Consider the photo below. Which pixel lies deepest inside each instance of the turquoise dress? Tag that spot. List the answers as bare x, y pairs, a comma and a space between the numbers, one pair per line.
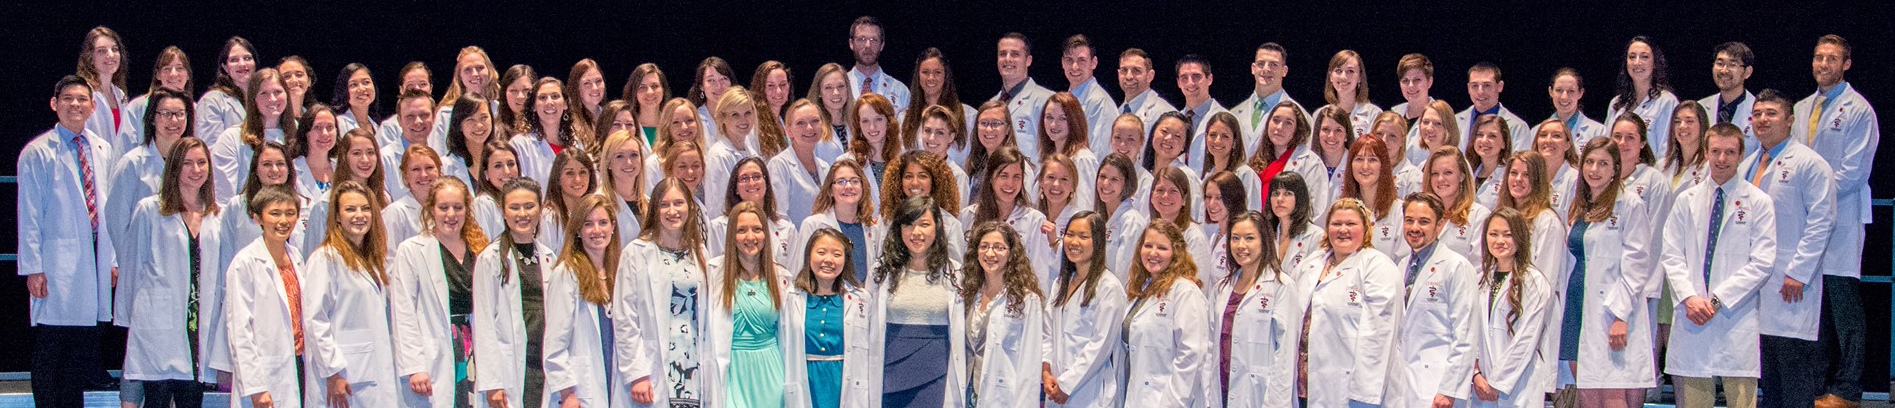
822, 343
756, 361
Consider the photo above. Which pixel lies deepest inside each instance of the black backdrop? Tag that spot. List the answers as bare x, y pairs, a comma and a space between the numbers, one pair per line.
1528, 41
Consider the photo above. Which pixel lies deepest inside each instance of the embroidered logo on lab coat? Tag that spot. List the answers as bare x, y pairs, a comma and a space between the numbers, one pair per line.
1263, 301
1434, 289
1612, 223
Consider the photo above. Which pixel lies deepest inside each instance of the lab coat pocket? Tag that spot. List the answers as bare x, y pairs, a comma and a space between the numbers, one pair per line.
358, 356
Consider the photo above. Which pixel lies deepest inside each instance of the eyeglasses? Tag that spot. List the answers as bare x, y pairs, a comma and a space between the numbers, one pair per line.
849, 181
173, 115
992, 124
867, 40
750, 177
1728, 64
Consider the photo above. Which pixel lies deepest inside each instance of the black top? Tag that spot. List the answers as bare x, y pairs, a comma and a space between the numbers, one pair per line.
532, 302
460, 282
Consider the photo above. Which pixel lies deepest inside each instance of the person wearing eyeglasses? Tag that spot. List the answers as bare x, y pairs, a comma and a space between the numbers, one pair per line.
866, 40
1731, 66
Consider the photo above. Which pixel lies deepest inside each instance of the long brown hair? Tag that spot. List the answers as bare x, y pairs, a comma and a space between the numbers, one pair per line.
168, 55
1384, 181
918, 103
91, 73
171, 192
734, 268
471, 233
1018, 280
826, 199
768, 201
1541, 198
376, 177
693, 232
454, 91
1674, 156
556, 193
366, 256
1266, 258
986, 200
1266, 149
575, 103
254, 181
1177, 178
1584, 206
1522, 259
1147, 284
595, 284
892, 141
253, 126
1464, 198
1076, 135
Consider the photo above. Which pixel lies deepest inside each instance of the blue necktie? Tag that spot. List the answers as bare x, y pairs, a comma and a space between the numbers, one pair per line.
1717, 223
1414, 269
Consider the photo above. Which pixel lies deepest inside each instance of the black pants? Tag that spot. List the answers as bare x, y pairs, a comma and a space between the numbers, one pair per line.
63, 356
1789, 380
1843, 333
162, 394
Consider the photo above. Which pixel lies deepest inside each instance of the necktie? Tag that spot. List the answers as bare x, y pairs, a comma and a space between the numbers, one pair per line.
1815, 117
1191, 117
1256, 112
85, 175
1006, 96
1125, 109
867, 85
1717, 223
1414, 269
1763, 166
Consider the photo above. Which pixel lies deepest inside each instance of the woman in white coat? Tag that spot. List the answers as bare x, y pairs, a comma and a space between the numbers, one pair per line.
826, 316
751, 184
1463, 220
1167, 353
420, 169
1005, 320
1645, 89
1518, 300
578, 328
221, 107
1224, 151
361, 162
268, 167
923, 173
1064, 132
430, 298
137, 173
1606, 331
1173, 195
1058, 199
266, 119
915, 315
572, 181
797, 169
263, 313
659, 302
843, 204
1125, 221
621, 178
745, 324
938, 133
1259, 323
176, 337
1282, 150
878, 143
1371, 180
736, 136
1082, 360
1292, 220
509, 308
1002, 196
102, 65
1351, 296
345, 313
1525, 188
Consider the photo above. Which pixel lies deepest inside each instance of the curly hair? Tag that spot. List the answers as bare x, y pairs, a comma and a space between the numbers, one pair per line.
1017, 277
1146, 283
895, 254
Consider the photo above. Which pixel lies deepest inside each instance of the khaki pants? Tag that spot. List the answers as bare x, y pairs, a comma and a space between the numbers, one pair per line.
1701, 392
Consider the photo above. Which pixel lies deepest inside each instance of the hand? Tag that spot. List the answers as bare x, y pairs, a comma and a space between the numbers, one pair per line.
497, 399
1699, 309
114, 276
1052, 232
420, 384
338, 391
36, 285
571, 400
1792, 290
641, 391
1048, 383
1617, 334
262, 400
1443, 401
1484, 390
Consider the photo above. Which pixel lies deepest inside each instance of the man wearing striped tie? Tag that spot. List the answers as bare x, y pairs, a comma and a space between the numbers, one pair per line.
1841, 126
66, 258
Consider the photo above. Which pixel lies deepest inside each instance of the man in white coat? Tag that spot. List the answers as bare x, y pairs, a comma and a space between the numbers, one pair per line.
1803, 188
866, 40
1194, 81
1841, 126
1434, 360
1077, 61
1730, 68
1484, 85
1715, 276
1267, 68
65, 254
1025, 98
1135, 75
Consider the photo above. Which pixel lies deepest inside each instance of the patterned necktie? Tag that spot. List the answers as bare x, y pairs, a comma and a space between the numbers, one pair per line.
1717, 223
85, 175
1815, 117
1414, 269
867, 84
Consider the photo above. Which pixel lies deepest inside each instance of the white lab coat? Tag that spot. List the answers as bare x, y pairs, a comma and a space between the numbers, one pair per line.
231, 157
1026, 222
1302, 248
1264, 333
718, 329
956, 387
257, 317
1168, 352
1619, 262
1122, 231
1352, 326
1194, 154
134, 134
418, 315
156, 285
719, 159
450, 166
1487, 193
797, 243
1509, 347
1315, 175
217, 111
500, 341
1728, 344
1253, 131
1656, 111
492, 220
536, 158
796, 190
856, 372
1082, 343
1846, 136
1100, 110
783, 240
134, 177
642, 306
1438, 332
345, 331
1024, 110
1582, 130
102, 122
1516, 127
1465, 238
1565, 181
575, 351
401, 220
55, 232
871, 183
306, 184
1741, 118
1803, 190
1012, 354
1550, 256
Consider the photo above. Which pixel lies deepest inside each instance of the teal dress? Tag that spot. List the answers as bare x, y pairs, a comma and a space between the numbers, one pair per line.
823, 341
756, 361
